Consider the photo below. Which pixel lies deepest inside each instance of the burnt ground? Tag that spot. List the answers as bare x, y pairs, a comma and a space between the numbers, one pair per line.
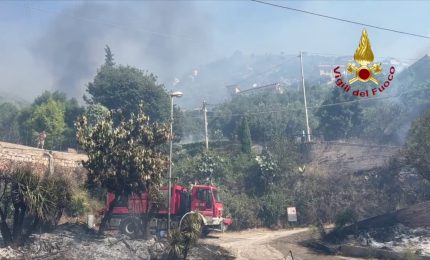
295, 246
74, 241
398, 238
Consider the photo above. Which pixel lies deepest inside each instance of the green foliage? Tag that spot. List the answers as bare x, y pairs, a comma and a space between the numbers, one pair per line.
268, 168
242, 208
79, 204
109, 61
123, 88
95, 113
382, 123
273, 206
263, 126
49, 117
32, 199
340, 121
52, 112
8, 122
204, 167
182, 239
209, 166
418, 146
245, 136
348, 216
123, 159
126, 158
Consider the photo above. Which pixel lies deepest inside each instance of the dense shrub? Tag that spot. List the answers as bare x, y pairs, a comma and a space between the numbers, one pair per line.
243, 209
348, 216
29, 201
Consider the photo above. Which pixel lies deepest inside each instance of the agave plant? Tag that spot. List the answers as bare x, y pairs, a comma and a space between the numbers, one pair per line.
30, 197
182, 239
176, 245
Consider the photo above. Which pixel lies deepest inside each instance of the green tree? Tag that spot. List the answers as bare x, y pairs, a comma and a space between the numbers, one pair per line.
70, 110
245, 136
418, 146
96, 112
341, 120
267, 114
210, 166
123, 159
8, 122
268, 168
383, 122
109, 61
273, 205
49, 117
123, 88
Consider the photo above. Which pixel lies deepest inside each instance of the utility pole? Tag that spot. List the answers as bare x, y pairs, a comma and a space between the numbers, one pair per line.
176, 94
206, 125
304, 98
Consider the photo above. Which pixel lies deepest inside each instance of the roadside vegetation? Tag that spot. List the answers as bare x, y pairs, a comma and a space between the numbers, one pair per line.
30, 202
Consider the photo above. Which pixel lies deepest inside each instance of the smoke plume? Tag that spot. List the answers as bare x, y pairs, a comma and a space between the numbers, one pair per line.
164, 38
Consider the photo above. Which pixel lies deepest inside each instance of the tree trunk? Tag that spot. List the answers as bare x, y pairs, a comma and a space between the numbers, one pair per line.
145, 221
5, 233
29, 231
108, 215
18, 220
4, 228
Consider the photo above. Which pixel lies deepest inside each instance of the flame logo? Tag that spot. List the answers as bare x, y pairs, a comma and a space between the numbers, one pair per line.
364, 54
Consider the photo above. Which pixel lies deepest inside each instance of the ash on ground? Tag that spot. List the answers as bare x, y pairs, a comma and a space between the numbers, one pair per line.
398, 238
73, 241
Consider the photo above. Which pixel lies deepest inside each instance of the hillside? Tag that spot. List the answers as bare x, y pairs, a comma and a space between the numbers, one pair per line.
209, 81
338, 158
14, 99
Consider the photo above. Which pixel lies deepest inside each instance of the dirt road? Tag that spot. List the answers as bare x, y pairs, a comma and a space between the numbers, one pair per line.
267, 244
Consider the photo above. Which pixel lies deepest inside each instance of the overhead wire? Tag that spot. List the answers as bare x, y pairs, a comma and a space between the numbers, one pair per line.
121, 27
311, 107
341, 19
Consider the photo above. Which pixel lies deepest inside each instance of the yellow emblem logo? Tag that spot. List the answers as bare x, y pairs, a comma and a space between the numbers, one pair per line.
364, 71
364, 56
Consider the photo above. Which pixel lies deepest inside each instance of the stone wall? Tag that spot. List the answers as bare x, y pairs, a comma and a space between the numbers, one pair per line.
43, 160
325, 158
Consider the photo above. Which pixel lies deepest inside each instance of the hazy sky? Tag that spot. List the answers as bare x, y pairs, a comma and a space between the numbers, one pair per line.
59, 45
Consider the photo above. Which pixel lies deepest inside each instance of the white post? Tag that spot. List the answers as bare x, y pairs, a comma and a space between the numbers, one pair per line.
170, 164
172, 95
206, 125
304, 98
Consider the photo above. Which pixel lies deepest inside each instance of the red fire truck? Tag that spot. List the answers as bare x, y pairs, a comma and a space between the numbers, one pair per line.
127, 215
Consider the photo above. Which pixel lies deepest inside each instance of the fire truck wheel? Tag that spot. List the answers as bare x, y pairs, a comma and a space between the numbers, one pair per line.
130, 227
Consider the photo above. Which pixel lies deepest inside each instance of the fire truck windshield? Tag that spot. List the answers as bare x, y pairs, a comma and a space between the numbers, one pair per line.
216, 195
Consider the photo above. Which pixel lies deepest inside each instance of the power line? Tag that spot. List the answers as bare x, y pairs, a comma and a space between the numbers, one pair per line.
341, 19
312, 107
117, 26
349, 55
169, 35
291, 57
